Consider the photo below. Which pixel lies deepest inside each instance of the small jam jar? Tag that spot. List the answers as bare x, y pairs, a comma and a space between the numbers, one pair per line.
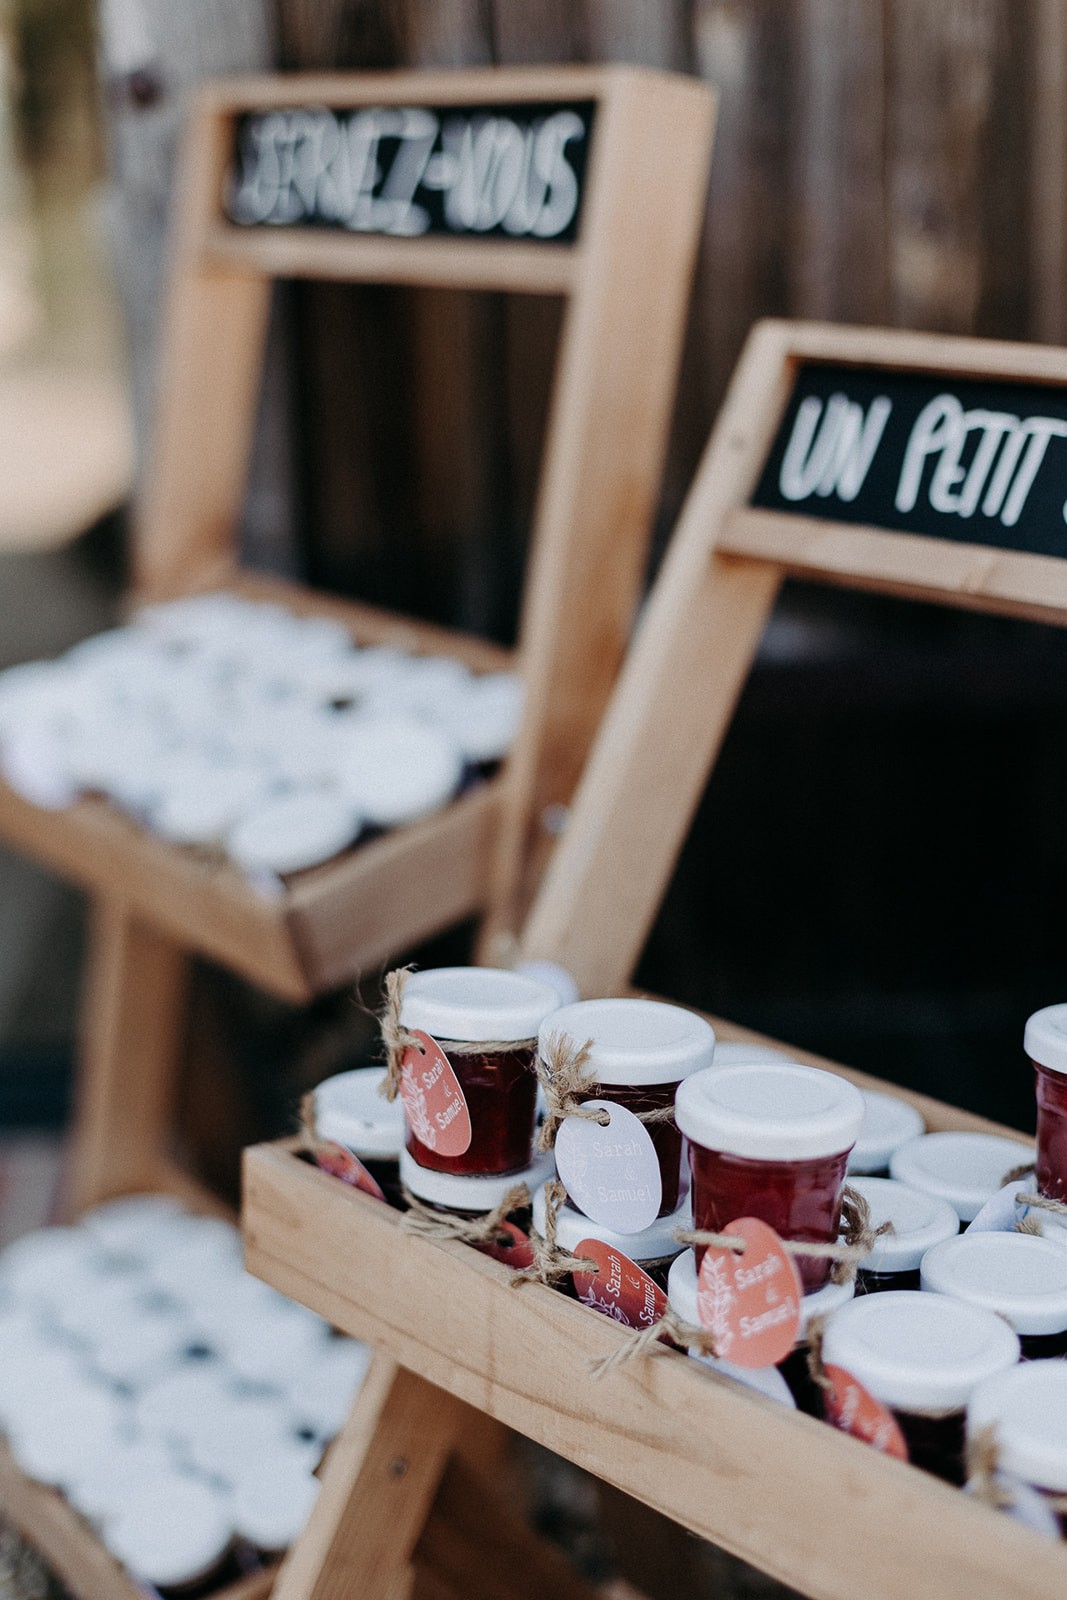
888, 1122
350, 1111
790, 1381
640, 1051
653, 1250
1045, 1042
966, 1169
919, 1221
770, 1140
1020, 1277
469, 1005
922, 1356
472, 1197
1027, 1411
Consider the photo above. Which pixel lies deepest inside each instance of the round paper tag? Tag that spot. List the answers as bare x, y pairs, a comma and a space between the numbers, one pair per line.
750, 1302
433, 1100
853, 1409
612, 1172
618, 1288
1001, 1212
341, 1163
517, 1254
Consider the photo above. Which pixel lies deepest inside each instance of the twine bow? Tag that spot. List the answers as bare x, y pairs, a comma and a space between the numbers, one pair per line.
427, 1223
550, 1261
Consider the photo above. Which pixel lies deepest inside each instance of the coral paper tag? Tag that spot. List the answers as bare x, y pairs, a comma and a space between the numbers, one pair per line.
750, 1302
518, 1253
341, 1163
853, 1409
618, 1288
612, 1172
433, 1100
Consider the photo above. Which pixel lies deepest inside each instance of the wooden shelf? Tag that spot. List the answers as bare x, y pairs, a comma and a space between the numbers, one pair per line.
799, 1500
332, 921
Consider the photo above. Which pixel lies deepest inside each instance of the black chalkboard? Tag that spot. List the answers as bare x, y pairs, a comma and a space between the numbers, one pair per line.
955, 458
502, 172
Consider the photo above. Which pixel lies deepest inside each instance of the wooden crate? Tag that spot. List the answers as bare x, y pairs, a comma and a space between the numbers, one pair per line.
818, 1510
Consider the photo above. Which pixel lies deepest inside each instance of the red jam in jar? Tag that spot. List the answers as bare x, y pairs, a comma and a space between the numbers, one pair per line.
640, 1051
460, 1008
1026, 1410
770, 1140
918, 1221
921, 1356
1045, 1042
1019, 1276
474, 1198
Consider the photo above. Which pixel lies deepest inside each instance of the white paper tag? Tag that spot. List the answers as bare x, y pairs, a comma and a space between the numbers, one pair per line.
611, 1173
1000, 1214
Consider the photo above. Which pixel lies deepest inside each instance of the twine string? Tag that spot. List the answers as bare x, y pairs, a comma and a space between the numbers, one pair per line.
426, 1223
846, 1253
550, 1261
647, 1341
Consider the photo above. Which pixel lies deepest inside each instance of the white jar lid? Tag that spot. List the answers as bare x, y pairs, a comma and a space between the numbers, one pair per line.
682, 1294
350, 1110
918, 1352
919, 1221
634, 1041
966, 1169
484, 719
124, 1224
1019, 1276
171, 1531
1045, 1037
652, 1244
472, 1003
557, 978
104, 1484
743, 1053
1027, 1408
68, 1426
271, 1504
321, 1396
204, 804
293, 833
477, 1195
770, 1111
395, 770
888, 1122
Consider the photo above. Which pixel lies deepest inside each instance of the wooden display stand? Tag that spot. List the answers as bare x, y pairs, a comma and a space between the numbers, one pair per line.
633, 147
822, 1512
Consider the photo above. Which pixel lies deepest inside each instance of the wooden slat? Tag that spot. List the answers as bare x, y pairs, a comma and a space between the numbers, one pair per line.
772, 1486
975, 577
459, 87
433, 262
904, 351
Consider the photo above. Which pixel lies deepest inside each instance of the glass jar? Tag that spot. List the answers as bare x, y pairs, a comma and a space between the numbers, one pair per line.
966, 1169
351, 1113
273, 1496
639, 1053
919, 1221
463, 1006
1045, 1042
175, 1534
473, 1198
653, 1250
888, 1122
1027, 1410
1019, 1276
921, 1356
790, 1375
770, 1140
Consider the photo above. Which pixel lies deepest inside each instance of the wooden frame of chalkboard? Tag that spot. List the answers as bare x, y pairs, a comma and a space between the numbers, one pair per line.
919, 465
596, 195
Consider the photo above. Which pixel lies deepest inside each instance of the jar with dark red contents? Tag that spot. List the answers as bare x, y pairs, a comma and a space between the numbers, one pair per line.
966, 1169
485, 1022
921, 1356
918, 1221
1019, 1276
652, 1250
770, 1140
790, 1381
1045, 1042
352, 1118
1024, 1413
639, 1053
472, 1198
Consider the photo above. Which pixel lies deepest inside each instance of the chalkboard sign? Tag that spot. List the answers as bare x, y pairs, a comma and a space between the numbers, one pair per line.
505, 171
963, 459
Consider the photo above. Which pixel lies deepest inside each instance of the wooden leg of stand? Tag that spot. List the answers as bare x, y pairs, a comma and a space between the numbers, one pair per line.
378, 1485
132, 1026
